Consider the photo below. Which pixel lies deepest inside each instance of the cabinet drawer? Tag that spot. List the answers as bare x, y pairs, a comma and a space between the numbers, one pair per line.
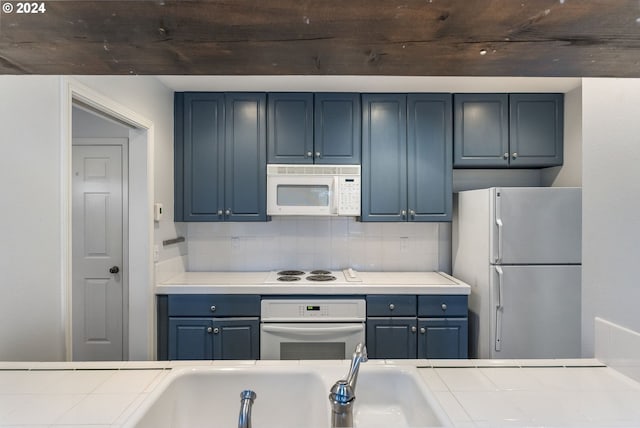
193, 305
442, 306
391, 306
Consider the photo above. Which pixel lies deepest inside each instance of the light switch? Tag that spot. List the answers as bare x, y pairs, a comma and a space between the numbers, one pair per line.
157, 211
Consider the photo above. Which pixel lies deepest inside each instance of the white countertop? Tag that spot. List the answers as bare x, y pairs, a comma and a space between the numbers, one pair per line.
474, 393
371, 283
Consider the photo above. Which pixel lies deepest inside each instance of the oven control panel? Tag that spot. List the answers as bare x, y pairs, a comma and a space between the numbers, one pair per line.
298, 310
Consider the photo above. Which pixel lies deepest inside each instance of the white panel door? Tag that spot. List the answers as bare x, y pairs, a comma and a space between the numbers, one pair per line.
97, 294
537, 225
535, 312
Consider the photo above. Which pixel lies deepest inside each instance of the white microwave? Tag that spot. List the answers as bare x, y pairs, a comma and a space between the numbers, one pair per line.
319, 190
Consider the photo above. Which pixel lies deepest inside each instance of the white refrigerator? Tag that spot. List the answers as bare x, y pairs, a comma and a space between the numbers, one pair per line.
519, 248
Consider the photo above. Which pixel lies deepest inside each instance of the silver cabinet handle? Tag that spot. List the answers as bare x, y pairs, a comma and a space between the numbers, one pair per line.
413, 329
219, 212
318, 154
213, 308
209, 329
505, 156
227, 211
391, 306
444, 306
423, 330
514, 155
412, 213
216, 330
309, 154
403, 213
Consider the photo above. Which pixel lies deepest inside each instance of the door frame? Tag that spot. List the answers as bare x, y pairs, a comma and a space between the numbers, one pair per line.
141, 325
124, 144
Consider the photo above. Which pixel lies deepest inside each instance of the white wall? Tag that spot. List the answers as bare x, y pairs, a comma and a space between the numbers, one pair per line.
92, 125
148, 97
570, 173
611, 206
31, 319
32, 303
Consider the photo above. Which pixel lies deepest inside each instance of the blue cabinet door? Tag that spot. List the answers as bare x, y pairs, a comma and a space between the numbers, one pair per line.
442, 338
190, 338
481, 130
203, 156
429, 157
245, 158
236, 339
391, 337
337, 128
536, 130
290, 128
384, 157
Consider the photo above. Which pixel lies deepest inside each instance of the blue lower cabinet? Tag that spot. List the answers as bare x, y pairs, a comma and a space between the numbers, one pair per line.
190, 339
236, 339
391, 337
210, 338
442, 338
409, 326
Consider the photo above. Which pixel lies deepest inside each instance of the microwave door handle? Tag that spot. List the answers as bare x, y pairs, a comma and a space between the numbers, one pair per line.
311, 331
335, 196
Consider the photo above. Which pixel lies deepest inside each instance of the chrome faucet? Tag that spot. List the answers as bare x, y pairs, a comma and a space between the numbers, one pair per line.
342, 394
246, 401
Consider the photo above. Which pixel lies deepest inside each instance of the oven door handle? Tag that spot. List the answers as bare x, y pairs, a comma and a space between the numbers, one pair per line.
314, 330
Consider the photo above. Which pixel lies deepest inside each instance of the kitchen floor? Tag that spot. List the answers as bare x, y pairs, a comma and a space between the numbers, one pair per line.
474, 393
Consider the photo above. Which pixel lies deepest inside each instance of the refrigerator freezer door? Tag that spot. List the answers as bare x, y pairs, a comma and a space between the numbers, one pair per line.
538, 313
537, 226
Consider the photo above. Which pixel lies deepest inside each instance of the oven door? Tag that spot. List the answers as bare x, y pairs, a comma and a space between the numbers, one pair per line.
309, 341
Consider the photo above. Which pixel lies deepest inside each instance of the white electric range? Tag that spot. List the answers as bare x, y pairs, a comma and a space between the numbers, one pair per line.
311, 328
313, 277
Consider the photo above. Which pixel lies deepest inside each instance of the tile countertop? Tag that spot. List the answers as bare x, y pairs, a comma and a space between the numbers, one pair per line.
474, 393
371, 283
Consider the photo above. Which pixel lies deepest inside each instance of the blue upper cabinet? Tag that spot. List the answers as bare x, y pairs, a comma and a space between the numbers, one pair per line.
305, 128
202, 146
536, 129
245, 157
429, 157
481, 134
290, 128
384, 157
406, 157
508, 130
337, 126
220, 157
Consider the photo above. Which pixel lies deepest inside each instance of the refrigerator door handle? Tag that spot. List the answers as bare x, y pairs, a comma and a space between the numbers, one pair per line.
499, 311
498, 215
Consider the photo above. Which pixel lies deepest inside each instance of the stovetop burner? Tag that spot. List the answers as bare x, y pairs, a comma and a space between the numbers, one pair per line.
321, 277
288, 278
290, 272
320, 272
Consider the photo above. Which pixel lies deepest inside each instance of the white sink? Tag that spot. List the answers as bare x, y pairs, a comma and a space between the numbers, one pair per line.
288, 397
395, 396
210, 397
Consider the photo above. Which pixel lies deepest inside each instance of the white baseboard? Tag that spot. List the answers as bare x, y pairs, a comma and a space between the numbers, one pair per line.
618, 347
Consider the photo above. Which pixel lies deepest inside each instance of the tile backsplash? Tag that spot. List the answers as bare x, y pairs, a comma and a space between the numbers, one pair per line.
319, 243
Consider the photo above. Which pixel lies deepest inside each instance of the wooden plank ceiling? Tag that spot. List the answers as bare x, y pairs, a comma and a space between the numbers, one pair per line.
570, 38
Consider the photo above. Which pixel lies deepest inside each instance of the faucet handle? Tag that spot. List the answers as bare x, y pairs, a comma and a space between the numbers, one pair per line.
341, 392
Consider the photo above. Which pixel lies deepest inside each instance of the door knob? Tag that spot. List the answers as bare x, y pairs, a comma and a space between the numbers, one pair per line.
114, 269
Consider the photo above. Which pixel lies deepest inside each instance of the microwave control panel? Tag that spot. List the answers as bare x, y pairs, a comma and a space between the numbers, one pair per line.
349, 196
